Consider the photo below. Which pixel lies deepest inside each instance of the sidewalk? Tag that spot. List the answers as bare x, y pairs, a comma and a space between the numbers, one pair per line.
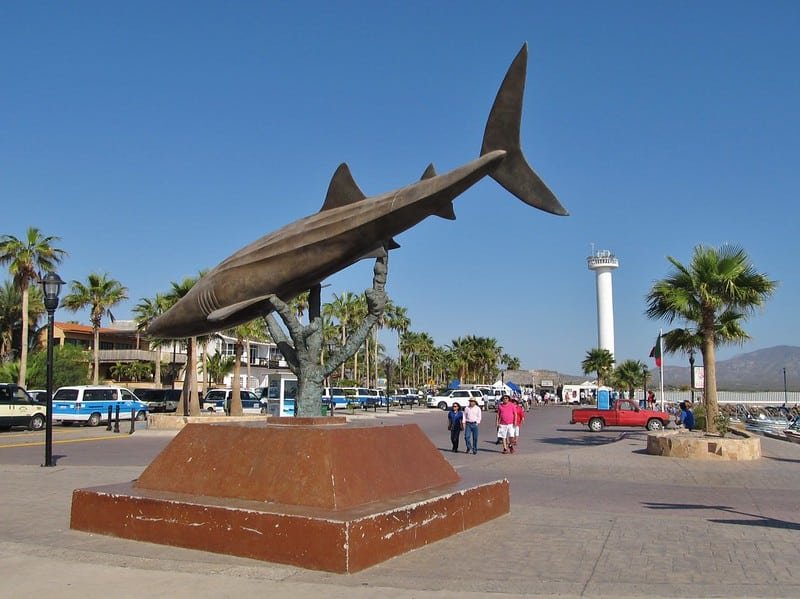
602, 521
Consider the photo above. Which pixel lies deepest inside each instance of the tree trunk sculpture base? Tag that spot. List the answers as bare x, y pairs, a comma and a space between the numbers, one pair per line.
333, 498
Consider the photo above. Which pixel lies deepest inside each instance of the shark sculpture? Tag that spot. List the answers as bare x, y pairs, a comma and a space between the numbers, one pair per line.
351, 226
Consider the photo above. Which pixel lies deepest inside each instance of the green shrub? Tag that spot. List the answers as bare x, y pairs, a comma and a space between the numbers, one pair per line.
699, 417
70, 367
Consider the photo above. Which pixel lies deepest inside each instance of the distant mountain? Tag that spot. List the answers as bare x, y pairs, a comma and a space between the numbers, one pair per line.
760, 370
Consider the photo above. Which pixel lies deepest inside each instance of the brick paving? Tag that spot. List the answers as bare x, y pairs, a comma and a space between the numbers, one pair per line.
587, 520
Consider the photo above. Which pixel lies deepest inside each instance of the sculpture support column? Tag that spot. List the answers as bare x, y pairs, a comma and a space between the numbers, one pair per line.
302, 349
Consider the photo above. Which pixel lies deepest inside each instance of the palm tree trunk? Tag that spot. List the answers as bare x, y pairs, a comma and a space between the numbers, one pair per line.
204, 380
23, 350
375, 361
194, 403
367, 366
344, 339
247, 362
157, 368
236, 385
710, 383
96, 352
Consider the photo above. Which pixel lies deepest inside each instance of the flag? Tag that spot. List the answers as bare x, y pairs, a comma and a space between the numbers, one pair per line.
656, 351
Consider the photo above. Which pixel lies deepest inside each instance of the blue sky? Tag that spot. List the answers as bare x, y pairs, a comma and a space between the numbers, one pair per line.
157, 138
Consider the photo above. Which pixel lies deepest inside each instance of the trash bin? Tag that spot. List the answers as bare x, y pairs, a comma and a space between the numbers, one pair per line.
324, 409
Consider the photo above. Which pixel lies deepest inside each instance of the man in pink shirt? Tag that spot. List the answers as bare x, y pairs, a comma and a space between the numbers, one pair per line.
506, 421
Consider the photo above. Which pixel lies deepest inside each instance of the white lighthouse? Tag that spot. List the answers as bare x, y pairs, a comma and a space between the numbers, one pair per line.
602, 263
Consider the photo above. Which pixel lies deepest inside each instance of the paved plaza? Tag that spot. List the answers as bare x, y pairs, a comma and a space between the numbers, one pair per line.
592, 515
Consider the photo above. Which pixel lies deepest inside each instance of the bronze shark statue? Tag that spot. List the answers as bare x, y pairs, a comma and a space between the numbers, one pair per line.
351, 226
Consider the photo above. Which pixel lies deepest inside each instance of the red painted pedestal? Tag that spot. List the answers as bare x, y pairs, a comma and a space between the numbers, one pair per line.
321, 496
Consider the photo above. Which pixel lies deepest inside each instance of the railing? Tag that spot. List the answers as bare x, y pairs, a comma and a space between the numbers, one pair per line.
132, 355
770, 398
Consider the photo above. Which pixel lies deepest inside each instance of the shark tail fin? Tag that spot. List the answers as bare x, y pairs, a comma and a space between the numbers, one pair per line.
502, 133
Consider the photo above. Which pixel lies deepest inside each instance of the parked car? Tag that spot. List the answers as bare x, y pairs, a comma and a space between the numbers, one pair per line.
160, 400
17, 408
445, 400
407, 396
219, 400
38, 395
90, 404
491, 396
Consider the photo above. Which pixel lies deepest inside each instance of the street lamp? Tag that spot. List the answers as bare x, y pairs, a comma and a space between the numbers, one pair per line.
785, 393
51, 286
691, 372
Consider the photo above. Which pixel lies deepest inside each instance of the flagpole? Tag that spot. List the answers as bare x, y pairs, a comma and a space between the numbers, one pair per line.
661, 366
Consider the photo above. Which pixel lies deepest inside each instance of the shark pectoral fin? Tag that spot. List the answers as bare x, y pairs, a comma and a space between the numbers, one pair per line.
342, 190
429, 173
446, 211
381, 250
227, 311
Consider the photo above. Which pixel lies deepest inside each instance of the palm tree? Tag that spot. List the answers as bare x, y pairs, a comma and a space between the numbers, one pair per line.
343, 309
11, 316
630, 373
511, 362
713, 294
600, 361
243, 333
176, 292
99, 294
145, 311
218, 366
28, 260
397, 320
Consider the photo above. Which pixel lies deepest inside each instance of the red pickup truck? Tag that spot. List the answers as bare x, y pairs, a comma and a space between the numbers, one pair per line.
624, 412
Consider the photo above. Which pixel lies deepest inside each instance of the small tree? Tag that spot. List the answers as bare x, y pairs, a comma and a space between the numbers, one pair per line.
713, 295
600, 361
70, 367
630, 373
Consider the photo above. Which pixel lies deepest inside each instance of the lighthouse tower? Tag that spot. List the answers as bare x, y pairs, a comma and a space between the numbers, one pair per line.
602, 263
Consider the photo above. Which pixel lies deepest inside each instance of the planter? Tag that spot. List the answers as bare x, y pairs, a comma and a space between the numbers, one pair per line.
737, 445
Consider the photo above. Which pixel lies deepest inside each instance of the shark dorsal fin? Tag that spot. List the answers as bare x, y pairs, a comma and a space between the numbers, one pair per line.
429, 173
343, 189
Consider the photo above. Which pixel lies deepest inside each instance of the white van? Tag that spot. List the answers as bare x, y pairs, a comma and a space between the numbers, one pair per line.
90, 404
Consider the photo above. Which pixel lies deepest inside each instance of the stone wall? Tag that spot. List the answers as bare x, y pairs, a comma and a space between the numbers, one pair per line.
738, 445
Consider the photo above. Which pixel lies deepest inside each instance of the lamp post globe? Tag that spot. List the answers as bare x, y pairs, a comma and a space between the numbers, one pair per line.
51, 287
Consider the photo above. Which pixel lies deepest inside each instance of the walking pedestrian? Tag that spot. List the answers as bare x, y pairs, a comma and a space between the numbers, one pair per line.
519, 416
455, 424
472, 418
506, 417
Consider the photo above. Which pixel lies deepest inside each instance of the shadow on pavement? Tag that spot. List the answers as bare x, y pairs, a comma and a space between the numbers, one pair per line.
586, 441
757, 521
790, 460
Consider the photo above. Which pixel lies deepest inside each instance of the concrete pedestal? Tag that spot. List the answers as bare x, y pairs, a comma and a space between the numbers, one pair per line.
322, 496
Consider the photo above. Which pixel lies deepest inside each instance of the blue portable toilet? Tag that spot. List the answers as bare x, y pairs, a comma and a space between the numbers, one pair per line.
603, 398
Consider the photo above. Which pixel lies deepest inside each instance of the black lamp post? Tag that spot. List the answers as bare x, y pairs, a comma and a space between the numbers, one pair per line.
691, 372
51, 285
785, 390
